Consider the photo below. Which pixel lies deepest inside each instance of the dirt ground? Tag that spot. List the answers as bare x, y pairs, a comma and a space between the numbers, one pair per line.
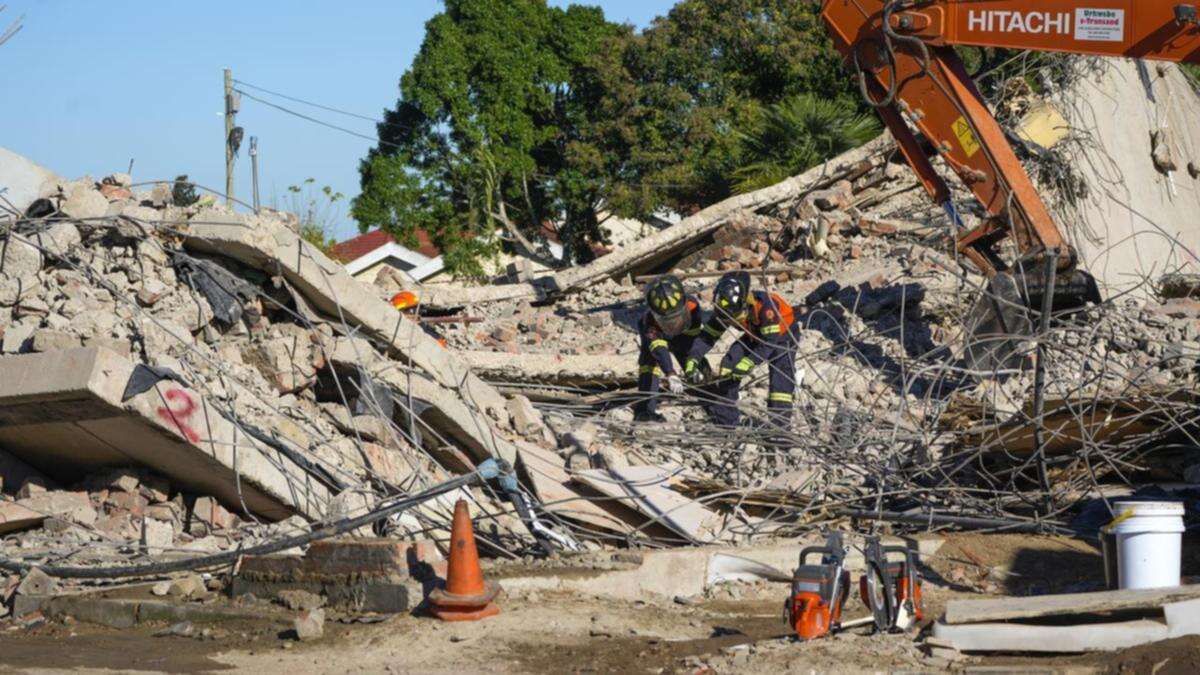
739, 629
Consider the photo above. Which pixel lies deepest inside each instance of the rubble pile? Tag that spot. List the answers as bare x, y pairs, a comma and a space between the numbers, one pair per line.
183, 380
224, 359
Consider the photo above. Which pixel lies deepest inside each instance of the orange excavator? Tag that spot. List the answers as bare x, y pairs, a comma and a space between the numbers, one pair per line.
902, 52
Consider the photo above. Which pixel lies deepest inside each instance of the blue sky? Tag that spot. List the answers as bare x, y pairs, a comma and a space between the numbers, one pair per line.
90, 85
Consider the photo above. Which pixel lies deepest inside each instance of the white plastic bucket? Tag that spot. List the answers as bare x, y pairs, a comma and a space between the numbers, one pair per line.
1148, 543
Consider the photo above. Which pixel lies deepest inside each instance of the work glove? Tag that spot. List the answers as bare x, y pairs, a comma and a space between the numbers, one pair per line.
674, 384
693, 372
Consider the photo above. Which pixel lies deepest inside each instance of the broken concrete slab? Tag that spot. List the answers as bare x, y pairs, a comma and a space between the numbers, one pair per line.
63, 413
1065, 604
15, 517
270, 245
576, 370
21, 180
1178, 619
71, 506
454, 401
644, 488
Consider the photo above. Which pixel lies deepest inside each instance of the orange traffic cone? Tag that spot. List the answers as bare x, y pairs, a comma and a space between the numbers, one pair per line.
466, 597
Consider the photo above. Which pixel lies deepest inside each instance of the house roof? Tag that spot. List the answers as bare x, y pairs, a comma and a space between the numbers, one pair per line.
352, 249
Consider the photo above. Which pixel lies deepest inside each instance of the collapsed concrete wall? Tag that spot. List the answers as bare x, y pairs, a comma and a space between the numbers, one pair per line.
70, 413
1138, 126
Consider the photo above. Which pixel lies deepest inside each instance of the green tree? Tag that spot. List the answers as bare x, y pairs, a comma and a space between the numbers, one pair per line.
515, 114
796, 134
500, 124
731, 58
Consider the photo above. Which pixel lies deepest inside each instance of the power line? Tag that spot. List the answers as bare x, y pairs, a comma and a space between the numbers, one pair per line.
310, 103
317, 121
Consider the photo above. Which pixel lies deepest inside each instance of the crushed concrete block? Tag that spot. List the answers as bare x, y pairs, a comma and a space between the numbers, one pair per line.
124, 480
58, 239
157, 535
161, 588
15, 290
300, 600
47, 340
288, 359
15, 517
309, 625
525, 418
37, 582
580, 438
386, 463
19, 258
23, 179
352, 503
119, 525
210, 512
270, 245
368, 427
187, 587
31, 486
18, 337
151, 292
74, 506
83, 201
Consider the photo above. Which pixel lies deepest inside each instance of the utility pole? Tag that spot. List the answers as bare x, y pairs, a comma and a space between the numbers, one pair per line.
230, 111
254, 168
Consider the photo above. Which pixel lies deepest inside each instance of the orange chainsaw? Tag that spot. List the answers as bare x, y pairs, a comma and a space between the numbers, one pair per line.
891, 587
819, 591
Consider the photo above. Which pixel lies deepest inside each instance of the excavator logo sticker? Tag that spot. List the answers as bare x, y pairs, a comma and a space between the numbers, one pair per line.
966, 137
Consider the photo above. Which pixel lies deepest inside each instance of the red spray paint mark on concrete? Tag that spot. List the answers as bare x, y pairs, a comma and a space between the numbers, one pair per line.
178, 412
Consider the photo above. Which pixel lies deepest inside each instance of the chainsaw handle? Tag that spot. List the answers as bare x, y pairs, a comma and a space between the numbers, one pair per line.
813, 550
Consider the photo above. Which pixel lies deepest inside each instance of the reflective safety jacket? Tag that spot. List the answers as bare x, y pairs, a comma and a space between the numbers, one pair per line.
768, 319
659, 344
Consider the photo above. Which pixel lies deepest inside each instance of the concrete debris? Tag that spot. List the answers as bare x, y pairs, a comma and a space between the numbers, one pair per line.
218, 383
310, 625
1091, 634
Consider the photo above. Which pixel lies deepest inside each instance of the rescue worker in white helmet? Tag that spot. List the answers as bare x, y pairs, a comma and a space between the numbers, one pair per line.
670, 326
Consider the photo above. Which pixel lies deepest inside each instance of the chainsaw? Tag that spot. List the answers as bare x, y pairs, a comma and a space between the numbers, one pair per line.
814, 607
891, 587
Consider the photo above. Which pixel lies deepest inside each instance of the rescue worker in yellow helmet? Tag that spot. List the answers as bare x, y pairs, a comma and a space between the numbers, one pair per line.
769, 333
670, 325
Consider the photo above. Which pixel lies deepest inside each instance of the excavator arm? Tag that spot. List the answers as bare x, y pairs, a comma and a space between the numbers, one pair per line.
902, 53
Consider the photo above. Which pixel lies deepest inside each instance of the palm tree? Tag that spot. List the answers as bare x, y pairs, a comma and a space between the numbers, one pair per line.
796, 134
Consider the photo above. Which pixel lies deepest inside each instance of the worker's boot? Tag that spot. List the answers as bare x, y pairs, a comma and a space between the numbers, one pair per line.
648, 416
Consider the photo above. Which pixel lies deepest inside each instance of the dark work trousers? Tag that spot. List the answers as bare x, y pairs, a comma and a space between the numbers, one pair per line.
650, 375
741, 358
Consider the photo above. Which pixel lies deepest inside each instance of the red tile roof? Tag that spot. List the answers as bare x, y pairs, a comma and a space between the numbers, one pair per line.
353, 249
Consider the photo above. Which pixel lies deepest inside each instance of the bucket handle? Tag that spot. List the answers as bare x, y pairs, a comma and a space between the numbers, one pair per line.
1126, 515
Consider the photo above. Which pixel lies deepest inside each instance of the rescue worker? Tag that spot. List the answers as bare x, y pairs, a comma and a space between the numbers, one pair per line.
769, 333
669, 327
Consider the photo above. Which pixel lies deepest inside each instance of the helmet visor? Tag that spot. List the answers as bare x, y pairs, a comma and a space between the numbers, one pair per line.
673, 323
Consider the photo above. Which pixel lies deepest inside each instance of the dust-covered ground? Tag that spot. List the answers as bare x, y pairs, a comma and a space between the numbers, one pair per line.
735, 629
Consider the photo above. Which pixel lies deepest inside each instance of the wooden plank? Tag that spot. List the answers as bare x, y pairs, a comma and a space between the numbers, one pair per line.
1002, 609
